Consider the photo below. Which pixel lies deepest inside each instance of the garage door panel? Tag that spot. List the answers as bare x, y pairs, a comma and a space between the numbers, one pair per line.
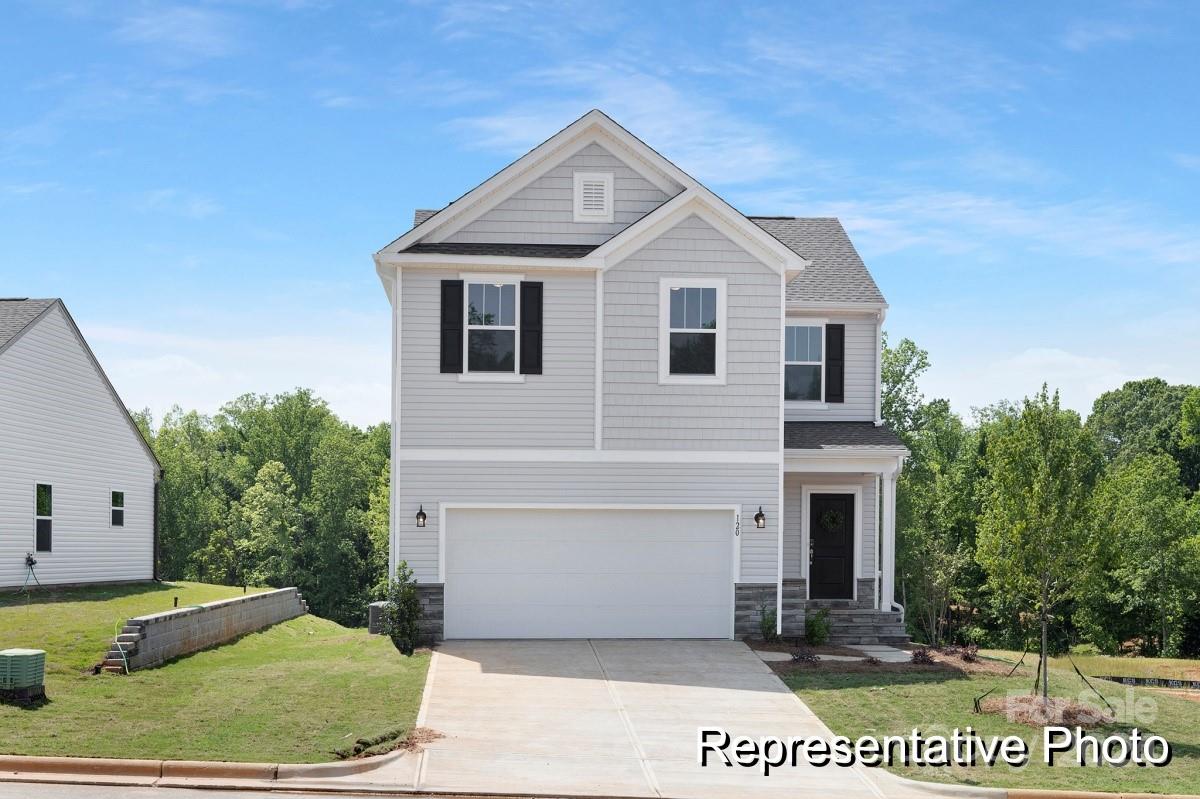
573, 573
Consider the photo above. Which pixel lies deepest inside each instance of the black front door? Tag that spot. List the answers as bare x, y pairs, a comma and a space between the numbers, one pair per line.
831, 537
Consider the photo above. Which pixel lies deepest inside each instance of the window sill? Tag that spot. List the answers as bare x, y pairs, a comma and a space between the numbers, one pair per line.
484, 377
691, 380
806, 405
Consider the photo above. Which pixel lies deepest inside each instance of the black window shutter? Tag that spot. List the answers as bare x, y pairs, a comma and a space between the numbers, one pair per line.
835, 363
531, 328
452, 326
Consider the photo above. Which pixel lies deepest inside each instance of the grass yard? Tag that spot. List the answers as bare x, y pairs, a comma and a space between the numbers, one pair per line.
1110, 666
892, 700
291, 693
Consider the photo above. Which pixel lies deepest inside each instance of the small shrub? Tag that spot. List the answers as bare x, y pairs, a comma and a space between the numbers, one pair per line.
816, 627
969, 653
871, 660
401, 616
921, 656
805, 655
767, 621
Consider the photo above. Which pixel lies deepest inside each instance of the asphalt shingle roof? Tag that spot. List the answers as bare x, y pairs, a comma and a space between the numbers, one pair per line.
849, 436
836, 272
16, 314
511, 250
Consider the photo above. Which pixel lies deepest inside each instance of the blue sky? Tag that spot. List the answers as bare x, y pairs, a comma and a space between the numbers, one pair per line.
204, 184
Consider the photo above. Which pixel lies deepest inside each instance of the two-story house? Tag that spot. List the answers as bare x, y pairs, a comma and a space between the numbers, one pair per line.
621, 408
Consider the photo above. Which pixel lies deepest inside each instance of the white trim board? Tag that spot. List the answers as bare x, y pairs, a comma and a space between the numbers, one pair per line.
805, 560
588, 455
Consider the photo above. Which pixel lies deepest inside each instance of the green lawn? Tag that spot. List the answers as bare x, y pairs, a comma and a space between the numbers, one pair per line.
291, 693
894, 700
1110, 666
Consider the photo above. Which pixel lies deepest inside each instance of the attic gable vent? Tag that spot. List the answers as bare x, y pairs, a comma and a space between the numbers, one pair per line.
593, 197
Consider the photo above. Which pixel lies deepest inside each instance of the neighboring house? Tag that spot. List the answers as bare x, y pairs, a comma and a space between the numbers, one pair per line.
620, 408
77, 479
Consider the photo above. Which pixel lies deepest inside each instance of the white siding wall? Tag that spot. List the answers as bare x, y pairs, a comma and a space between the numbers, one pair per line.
542, 212
641, 414
793, 487
427, 484
553, 409
59, 424
861, 335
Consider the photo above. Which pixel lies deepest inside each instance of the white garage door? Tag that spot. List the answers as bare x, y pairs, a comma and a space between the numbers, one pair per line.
588, 573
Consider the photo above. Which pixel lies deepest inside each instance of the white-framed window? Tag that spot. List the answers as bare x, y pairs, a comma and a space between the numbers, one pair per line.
43, 517
691, 341
804, 361
593, 196
492, 311
117, 509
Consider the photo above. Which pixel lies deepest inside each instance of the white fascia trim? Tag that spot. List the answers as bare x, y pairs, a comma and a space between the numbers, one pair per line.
794, 307
598, 432
587, 263
532, 455
885, 463
707, 206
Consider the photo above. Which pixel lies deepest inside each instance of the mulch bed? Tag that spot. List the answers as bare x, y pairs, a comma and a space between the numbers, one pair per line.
1031, 710
792, 644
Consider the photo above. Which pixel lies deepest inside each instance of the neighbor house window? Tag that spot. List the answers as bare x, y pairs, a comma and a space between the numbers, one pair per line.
593, 197
692, 333
118, 509
491, 327
43, 521
804, 363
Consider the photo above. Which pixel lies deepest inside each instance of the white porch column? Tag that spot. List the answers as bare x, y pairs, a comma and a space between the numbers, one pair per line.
887, 555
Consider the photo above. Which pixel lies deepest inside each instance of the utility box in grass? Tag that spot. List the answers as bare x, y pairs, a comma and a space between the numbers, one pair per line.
22, 675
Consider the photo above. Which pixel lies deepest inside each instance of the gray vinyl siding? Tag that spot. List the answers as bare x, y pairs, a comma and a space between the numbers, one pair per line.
793, 487
553, 409
861, 337
543, 211
428, 483
59, 424
639, 413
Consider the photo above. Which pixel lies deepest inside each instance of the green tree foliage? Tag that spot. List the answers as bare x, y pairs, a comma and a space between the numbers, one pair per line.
1189, 422
901, 400
1034, 530
1147, 416
276, 490
1145, 568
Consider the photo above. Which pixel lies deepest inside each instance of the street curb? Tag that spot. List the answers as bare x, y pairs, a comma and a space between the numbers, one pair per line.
1043, 793
116, 767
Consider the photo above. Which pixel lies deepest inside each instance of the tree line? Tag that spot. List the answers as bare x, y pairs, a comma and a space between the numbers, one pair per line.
275, 491
1028, 522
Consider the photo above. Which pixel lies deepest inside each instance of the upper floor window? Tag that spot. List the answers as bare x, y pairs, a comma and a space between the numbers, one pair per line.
492, 327
593, 197
692, 331
117, 509
804, 363
43, 517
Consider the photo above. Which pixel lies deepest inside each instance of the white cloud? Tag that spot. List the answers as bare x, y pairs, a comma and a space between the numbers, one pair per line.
703, 137
1189, 161
180, 203
347, 365
1085, 35
181, 33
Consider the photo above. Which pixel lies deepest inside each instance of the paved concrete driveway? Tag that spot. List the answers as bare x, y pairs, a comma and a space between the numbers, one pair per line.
614, 718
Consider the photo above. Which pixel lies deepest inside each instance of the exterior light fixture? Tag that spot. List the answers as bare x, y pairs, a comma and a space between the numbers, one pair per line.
760, 518
421, 516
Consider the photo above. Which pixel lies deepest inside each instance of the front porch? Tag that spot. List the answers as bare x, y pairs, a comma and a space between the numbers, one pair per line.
837, 538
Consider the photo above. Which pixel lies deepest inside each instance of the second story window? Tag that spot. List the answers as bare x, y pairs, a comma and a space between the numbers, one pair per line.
692, 332
804, 363
492, 327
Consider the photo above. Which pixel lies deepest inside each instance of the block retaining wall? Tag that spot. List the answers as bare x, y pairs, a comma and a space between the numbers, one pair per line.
151, 640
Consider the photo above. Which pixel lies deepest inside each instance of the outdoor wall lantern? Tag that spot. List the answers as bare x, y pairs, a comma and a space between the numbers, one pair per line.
421, 516
760, 518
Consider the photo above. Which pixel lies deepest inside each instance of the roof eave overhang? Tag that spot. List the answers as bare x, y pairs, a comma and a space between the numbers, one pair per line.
809, 306
843, 461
